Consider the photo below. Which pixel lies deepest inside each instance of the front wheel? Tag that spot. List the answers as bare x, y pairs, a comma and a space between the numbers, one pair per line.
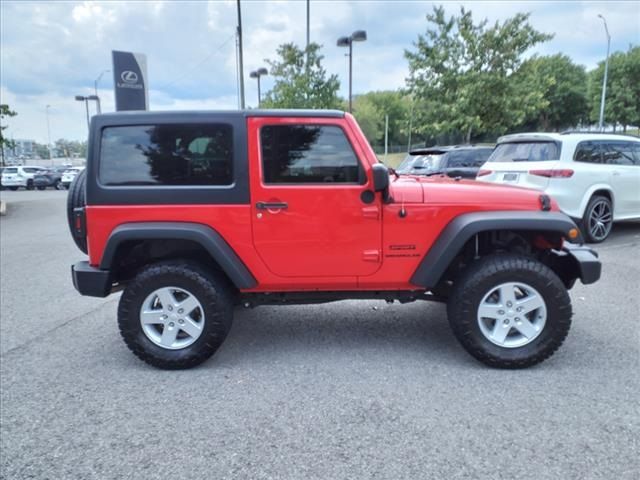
174, 315
510, 311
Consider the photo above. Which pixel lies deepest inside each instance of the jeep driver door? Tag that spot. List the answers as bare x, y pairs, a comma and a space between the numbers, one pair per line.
311, 217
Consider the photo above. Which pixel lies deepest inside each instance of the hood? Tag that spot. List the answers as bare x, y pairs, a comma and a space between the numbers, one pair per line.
447, 191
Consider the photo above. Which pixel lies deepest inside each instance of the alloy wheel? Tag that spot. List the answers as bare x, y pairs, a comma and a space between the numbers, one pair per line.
600, 220
172, 318
512, 315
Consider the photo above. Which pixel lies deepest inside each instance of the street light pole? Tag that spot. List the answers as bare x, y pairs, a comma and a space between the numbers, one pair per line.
95, 87
82, 98
357, 36
257, 74
240, 67
48, 130
606, 71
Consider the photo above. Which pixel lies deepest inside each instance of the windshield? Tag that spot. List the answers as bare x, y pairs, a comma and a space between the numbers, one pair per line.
468, 158
419, 164
525, 152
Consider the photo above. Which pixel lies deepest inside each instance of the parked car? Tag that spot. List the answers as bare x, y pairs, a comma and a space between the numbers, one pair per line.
69, 174
206, 211
594, 177
51, 177
455, 161
19, 176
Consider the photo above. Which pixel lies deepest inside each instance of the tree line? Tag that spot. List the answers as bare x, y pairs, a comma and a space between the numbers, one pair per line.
469, 81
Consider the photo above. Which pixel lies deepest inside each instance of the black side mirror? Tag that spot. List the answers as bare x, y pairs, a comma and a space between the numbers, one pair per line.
380, 177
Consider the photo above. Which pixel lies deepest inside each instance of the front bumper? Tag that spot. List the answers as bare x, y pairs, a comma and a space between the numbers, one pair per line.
585, 260
91, 281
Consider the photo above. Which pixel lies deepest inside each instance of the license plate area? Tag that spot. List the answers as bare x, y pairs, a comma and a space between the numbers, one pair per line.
511, 177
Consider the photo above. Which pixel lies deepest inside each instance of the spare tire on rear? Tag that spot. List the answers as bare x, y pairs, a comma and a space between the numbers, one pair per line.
76, 199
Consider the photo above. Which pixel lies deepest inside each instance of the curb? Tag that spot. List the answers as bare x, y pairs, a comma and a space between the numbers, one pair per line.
3, 208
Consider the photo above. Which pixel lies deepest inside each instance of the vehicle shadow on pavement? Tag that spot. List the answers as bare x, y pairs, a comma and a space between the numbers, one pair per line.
371, 329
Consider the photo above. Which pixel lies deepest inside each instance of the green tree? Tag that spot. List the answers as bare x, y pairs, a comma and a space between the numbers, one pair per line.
564, 88
298, 84
370, 110
42, 150
71, 148
5, 111
622, 105
462, 74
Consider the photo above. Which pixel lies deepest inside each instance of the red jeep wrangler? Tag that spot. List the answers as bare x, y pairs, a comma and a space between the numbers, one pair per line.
194, 213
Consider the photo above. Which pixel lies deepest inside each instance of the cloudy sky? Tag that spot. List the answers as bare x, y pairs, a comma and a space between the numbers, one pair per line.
51, 51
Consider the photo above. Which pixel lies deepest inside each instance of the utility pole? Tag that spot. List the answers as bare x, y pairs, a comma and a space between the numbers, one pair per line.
48, 130
386, 136
308, 27
95, 88
240, 57
410, 124
604, 81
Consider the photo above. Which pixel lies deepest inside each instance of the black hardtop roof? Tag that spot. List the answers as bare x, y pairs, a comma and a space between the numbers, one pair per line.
446, 148
177, 115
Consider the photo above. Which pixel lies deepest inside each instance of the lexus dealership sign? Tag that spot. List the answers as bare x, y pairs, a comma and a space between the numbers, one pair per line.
130, 80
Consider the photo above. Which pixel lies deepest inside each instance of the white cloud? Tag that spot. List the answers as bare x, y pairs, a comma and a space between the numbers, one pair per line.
52, 51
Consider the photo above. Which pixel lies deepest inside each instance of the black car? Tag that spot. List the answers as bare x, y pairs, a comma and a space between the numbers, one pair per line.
51, 177
455, 161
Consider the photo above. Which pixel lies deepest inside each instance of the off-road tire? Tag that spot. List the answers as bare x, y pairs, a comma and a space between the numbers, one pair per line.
584, 222
211, 290
485, 274
76, 199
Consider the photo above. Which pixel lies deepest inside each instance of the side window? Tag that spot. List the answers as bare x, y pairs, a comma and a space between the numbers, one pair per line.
167, 154
588, 152
308, 154
619, 153
635, 148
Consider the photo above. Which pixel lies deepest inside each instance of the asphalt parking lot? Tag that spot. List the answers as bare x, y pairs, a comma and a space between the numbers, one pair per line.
344, 390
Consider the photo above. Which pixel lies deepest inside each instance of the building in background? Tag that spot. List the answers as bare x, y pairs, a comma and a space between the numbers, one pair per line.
21, 150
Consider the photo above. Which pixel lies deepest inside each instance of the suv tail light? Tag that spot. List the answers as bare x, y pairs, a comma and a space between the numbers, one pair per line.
482, 173
565, 173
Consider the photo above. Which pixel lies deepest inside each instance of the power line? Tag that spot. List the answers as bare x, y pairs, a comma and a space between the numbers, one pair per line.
189, 70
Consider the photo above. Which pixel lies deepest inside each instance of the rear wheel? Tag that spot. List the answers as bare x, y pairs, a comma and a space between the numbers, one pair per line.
175, 315
29, 184
509, 311
598, 219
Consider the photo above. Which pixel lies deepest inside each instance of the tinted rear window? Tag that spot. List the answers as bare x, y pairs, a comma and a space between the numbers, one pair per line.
525, 152
10, 170
468, 158
168, 154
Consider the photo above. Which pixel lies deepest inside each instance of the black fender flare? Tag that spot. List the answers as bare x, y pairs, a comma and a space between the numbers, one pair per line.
204, 235
463, 227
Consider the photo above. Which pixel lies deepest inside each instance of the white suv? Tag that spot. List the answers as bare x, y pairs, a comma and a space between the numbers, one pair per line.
22, 176
69, 175
595, 178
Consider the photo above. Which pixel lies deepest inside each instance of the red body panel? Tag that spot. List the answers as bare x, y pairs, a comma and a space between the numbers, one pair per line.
327, 238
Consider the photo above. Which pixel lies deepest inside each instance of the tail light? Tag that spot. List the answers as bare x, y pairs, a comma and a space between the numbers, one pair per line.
482, 173
563, 173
